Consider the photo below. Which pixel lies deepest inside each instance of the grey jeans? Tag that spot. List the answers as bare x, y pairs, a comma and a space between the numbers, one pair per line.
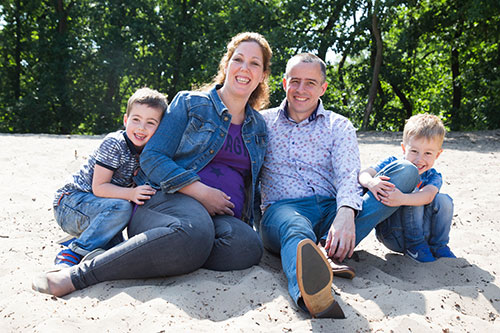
173, 234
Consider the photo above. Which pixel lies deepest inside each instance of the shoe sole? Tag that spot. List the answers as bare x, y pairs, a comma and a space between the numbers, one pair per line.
315, 277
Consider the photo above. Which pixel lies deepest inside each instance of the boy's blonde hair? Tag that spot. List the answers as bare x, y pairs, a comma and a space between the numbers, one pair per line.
426, 126
150, 97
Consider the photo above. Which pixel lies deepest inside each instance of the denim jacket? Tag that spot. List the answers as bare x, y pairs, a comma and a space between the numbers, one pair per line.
190, 134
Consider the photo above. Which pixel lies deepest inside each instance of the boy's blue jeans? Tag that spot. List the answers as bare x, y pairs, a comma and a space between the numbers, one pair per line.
286, 222
96, 222
404, 175
413, 225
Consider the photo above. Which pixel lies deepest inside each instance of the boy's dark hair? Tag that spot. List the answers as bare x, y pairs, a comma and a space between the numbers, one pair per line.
150, 97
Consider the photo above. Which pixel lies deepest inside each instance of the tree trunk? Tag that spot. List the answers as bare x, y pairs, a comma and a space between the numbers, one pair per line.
381, 94
179, 49
61, 108
406, 103
325, 42
17, 52
326, 39
457, 90
111, 100
376, 70
341, 78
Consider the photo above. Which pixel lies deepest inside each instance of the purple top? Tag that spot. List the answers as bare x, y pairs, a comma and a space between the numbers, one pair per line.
229, 168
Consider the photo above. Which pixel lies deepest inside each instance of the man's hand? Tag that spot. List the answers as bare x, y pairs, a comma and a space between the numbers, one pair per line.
341, 238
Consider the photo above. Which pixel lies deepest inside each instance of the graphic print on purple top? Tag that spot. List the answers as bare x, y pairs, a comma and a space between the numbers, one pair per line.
229, 168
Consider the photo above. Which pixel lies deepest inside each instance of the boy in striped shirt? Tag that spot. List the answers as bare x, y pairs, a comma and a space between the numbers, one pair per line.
96, 203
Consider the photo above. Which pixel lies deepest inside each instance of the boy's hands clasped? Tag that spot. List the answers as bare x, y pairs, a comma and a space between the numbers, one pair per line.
394, 198
380, 187
385, 191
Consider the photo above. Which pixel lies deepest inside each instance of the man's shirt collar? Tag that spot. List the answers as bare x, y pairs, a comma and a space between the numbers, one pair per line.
318, 111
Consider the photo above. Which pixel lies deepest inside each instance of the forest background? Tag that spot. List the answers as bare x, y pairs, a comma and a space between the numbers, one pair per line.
70, 66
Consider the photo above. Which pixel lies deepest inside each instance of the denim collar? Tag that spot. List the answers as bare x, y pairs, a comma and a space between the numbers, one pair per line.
221, 108
219, 105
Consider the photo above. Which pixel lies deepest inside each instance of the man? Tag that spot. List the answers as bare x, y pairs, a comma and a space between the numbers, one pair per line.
309, 186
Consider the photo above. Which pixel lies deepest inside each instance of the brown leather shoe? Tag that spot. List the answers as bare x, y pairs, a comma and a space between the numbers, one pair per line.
338, 269
315, 277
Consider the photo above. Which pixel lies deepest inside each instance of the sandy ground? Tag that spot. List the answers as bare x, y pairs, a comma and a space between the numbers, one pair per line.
390, 292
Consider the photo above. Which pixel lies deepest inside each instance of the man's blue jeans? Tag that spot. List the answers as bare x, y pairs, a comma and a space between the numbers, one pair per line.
412, 225
96, 222
286, 222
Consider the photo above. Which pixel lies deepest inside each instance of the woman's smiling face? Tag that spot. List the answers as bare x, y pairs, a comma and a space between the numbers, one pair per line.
245, 69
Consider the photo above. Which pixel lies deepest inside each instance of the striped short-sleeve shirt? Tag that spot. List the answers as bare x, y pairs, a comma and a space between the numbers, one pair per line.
116, 153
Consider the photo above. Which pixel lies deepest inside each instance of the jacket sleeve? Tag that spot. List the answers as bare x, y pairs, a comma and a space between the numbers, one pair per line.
157, 157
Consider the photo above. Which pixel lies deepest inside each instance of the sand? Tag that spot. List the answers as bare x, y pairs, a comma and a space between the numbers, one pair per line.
390, 292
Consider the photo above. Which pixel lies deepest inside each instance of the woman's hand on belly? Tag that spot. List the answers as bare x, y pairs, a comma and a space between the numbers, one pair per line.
214, 200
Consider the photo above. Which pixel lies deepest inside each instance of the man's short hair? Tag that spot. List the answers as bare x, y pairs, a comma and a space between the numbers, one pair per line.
426, 126
150, 97
306, 58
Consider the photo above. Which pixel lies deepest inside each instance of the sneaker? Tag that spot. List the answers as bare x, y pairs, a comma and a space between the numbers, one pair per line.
67, 258
443, 252
420, 253
66, 240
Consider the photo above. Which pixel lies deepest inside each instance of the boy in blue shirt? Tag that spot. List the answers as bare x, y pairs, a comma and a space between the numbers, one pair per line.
420, 227
95, 205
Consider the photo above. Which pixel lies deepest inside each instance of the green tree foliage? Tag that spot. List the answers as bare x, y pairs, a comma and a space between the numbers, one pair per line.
69, 66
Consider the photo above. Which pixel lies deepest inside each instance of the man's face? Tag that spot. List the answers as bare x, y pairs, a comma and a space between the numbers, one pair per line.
304, 86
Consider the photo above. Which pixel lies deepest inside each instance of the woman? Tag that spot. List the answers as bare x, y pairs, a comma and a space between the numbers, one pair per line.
204, 159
